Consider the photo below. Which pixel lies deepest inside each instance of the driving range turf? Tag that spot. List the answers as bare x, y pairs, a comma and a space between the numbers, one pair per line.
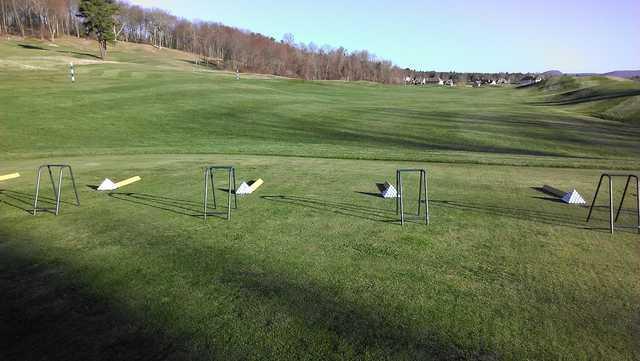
314, 265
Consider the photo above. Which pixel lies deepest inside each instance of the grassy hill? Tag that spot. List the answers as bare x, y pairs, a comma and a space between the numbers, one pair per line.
604, 97
314, 265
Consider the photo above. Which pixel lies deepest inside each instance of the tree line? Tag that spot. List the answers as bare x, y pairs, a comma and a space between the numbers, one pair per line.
213, 44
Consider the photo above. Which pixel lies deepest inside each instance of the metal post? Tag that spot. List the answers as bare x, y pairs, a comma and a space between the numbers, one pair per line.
229, 198
420, 193
206, 192
75, 190
53, 184
35, 202
59, 192
426, 199
638, 201
397, 192
595, 196
235, 195
623, 196
611, 204
213, 187
401, 196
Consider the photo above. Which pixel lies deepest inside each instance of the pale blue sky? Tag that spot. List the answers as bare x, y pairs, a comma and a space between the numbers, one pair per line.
484, 36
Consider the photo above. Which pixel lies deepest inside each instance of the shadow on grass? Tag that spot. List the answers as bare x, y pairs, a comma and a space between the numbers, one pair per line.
88, 55
341, 208
36, 47
32, 47
553, 219
577, 97
173, 205
45, 315
371, 194
24, 201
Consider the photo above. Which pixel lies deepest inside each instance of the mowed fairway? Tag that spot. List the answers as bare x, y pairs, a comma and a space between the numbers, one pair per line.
312, 266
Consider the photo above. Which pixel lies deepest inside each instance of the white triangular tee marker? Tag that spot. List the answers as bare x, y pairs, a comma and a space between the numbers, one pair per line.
389, 191
573, 197
107, 185
244, 189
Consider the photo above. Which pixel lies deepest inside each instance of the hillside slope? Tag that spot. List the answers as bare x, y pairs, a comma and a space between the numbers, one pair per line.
604, 97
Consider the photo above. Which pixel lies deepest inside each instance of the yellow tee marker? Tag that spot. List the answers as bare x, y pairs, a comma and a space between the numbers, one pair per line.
127, 182
256, 184
9, 176
245, 189
108, 185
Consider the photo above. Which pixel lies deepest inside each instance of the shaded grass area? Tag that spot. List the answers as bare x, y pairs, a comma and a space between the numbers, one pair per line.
313, 267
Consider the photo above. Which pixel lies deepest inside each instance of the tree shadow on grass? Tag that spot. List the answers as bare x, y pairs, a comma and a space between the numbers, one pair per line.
88, 55
173, 205
368, 330
340, 208
45, 315
32, 47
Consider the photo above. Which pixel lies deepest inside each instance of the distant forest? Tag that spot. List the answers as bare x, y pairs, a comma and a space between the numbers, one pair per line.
218, 45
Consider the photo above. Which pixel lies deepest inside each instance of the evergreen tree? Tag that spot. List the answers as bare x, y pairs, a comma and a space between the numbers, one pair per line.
98, 19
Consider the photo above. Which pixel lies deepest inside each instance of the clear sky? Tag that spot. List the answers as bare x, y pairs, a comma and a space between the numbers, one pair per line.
483, 35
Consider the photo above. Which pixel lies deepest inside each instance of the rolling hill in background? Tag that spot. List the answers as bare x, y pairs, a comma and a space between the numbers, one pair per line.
627, 74
624, 73
599, 96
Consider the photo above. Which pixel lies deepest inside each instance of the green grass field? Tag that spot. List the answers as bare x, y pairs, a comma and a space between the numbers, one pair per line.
314, 266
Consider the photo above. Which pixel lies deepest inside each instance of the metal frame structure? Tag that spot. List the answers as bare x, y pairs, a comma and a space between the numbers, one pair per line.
57, 189
422, 197
612, 220
209, 176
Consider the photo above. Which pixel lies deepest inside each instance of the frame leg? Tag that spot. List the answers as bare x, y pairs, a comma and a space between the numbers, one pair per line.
426, 200
229, 198
35, 200
213, 188
206, 192
53, 183
595, 197
401, 196
397, 193
235, 195
59, 191
420, 194
638, 202
626, 186
75, 189
611, 204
